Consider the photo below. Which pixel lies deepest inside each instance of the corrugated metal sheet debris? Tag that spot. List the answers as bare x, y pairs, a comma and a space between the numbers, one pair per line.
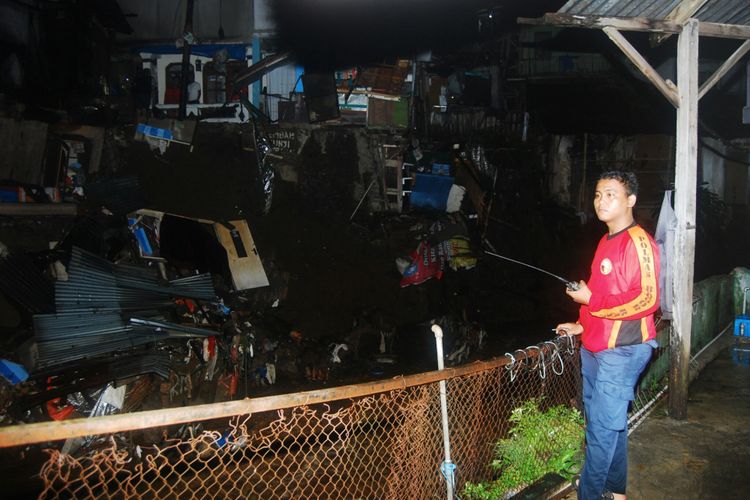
80, 335
95, 282
105, 308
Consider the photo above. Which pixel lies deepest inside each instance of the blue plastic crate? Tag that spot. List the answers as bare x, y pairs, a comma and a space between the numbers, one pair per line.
742, 326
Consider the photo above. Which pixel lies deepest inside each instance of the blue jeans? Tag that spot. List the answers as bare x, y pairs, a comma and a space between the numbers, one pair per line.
609, 378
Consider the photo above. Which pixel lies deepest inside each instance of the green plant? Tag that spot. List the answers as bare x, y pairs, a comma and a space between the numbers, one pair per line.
539, 442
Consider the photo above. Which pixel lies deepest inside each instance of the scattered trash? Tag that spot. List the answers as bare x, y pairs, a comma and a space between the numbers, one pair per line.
444, 243
159, 133
335, 352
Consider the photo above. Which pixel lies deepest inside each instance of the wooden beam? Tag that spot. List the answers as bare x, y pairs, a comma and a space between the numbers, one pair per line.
648, 71
717, 30
686, 166
729, 64
679, 14
598, 22
40, 432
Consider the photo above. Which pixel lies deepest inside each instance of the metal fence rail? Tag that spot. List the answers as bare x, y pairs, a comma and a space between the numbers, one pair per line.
375, 440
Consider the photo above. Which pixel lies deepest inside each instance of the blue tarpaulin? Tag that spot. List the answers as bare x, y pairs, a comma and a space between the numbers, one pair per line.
12, 372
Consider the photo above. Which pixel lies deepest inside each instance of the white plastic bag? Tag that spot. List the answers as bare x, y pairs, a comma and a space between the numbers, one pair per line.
666, 228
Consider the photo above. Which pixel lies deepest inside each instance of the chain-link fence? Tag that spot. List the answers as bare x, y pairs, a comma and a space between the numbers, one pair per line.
376, 440
712, 317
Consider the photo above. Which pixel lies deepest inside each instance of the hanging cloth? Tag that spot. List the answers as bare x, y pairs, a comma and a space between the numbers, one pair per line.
666, 228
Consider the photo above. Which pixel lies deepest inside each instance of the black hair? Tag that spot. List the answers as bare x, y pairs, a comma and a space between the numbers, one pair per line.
626, 178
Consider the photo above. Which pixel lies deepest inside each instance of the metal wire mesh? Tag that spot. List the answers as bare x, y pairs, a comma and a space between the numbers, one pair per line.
383, 445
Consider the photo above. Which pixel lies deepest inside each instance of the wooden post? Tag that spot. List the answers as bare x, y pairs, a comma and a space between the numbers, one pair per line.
686, 163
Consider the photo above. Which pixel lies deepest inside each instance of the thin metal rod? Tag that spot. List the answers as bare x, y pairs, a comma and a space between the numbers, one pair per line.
363, 198
570, 284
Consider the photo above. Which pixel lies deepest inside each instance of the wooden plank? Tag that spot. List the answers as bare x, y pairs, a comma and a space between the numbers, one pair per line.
598, 22
17, 435
686, 166
244, 261
718, 30
638, 60
679, 14
643, 24
719, 73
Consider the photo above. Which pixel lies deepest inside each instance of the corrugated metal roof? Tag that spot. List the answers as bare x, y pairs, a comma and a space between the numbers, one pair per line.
715, 11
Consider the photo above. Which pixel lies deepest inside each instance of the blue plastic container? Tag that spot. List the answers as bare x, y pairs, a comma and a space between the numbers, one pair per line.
431, 191
742, 326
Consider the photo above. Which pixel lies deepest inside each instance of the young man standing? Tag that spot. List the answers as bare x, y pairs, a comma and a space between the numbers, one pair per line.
616, 321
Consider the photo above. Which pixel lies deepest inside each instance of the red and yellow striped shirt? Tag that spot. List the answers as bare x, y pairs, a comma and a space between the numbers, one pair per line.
624, 288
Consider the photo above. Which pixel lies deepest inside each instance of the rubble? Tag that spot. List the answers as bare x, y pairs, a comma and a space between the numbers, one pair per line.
164, 313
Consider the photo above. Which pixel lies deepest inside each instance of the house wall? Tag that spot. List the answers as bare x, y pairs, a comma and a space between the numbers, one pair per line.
279, 84
538, 62
162, 61
158, 63
572, 174
729, 179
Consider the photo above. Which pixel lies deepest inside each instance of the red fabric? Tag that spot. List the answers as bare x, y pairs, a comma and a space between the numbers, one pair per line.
624, 291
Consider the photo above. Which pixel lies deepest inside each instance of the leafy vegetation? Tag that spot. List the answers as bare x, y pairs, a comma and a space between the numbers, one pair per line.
539, 442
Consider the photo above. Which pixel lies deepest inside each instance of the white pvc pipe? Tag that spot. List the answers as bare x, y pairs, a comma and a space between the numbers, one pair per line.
448, 471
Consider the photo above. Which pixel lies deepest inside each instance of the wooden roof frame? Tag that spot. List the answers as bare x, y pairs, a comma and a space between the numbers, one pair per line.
684, 96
